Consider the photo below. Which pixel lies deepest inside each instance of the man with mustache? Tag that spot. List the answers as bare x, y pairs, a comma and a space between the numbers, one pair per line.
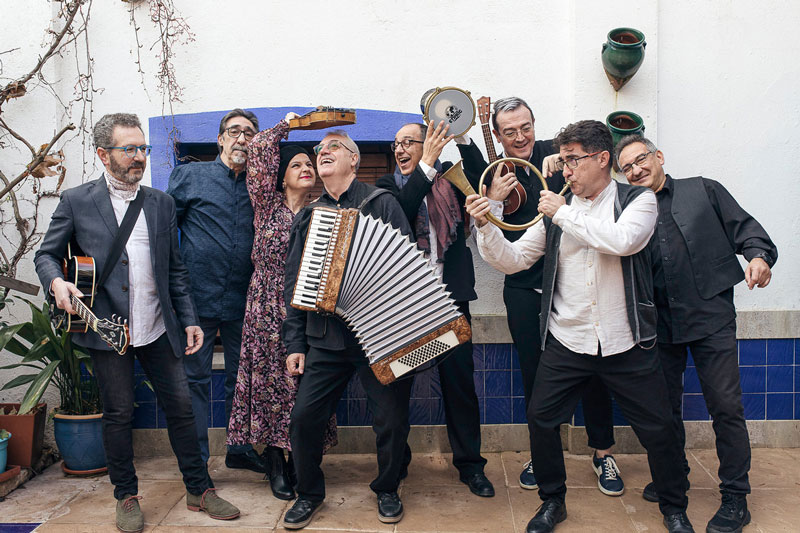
513, 127
215, 217
700, 230
149, 286
326, 353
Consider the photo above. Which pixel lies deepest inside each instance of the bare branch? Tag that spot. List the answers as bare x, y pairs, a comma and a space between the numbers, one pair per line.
38, 158
17, 136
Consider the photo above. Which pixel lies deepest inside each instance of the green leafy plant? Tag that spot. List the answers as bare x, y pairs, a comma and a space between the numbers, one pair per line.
4, 434
54, 359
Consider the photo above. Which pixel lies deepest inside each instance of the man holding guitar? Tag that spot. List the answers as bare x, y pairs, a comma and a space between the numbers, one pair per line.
146, 283
513, 127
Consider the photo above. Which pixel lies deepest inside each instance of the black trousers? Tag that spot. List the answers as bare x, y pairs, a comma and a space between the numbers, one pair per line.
637, 382
461, 409
523, 307
165, 371
716, 360
326, 375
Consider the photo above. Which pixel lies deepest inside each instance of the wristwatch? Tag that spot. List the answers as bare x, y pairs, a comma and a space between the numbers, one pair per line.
765, 256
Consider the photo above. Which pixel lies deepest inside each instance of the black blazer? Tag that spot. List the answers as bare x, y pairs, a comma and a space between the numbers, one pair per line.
85, 213
458, 273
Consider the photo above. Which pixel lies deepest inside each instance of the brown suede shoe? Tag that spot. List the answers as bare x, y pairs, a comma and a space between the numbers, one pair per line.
129, 515
212, 504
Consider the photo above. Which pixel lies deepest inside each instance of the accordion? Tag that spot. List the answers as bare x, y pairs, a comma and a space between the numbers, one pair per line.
375, 279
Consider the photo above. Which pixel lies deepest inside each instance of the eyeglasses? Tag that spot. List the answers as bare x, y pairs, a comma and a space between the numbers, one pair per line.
572, 162
524, 130
235, 131
131, 149
405, 143
639, 161
333, 146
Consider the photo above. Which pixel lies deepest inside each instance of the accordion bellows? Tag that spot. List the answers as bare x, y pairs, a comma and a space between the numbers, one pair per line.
374, 278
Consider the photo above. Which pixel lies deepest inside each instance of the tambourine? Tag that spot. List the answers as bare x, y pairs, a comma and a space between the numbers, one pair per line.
452, 105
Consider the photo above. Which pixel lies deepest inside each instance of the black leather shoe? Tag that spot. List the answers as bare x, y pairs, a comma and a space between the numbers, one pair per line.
278, 474
549, 514
478, 484
249, 460
732, 515
678, 523
649, 493
390, 508
300, 514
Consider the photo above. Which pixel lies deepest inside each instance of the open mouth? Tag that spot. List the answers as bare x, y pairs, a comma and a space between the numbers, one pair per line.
326, 161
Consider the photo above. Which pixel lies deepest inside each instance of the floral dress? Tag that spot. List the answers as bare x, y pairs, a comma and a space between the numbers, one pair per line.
265, 391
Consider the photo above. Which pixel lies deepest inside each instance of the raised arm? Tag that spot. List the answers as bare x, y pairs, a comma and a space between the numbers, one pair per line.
263, 160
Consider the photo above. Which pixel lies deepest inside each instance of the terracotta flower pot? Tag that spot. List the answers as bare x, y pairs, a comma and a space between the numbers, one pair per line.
28, 429
623, 54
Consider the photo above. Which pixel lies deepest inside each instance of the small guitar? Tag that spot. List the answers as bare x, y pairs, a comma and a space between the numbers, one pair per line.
323, 117
80, 270
517, 197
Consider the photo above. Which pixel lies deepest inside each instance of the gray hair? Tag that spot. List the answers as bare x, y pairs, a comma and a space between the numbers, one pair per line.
349, 143
103, 133
508, 104
630, 139
238, 112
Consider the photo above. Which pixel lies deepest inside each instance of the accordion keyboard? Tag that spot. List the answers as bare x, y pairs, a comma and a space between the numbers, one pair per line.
313, 274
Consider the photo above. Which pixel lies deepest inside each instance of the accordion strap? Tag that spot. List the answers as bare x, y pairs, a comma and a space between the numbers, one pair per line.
374, 194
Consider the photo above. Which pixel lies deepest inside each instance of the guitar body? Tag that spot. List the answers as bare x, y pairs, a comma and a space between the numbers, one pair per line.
518, 196
80, 270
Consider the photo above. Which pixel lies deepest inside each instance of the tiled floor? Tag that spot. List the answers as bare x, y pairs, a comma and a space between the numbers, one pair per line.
434, 499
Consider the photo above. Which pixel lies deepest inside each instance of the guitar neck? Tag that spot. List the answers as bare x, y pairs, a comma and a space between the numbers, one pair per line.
487, 139
84, 312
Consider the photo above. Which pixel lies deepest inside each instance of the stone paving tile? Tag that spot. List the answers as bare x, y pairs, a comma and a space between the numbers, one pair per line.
37, 501
769, 467
52, 527
221, 473
350, 468
438, 508
438, 469
162, 467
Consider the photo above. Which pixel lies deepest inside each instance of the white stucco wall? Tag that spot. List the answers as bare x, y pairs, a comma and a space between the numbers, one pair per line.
718, 88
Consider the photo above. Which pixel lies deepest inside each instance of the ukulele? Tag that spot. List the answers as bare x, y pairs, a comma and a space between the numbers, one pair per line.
517, 197
323, 117
80, 270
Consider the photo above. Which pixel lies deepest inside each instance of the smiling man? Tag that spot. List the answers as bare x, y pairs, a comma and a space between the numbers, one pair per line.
700, 230
215, 217
598, 319
326, 353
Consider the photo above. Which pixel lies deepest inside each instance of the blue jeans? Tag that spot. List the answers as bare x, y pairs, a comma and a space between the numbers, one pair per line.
115, 376
198, 372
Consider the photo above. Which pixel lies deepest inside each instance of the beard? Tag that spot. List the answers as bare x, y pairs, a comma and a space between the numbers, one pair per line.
239, 156
124, 173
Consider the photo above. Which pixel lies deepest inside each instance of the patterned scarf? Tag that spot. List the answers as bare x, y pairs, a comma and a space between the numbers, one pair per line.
442, 211
121, 189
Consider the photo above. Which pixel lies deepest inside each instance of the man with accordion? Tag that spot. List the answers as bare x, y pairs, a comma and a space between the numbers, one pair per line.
326, 353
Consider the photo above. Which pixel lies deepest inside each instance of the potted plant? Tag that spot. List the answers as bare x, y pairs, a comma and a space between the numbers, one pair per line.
55, 359
4, 436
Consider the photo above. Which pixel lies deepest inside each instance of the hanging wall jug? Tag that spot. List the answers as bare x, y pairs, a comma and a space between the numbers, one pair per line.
622, 123
622, 55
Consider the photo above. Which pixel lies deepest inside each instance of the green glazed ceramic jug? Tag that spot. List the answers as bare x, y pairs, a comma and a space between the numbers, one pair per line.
623, 54
622, 123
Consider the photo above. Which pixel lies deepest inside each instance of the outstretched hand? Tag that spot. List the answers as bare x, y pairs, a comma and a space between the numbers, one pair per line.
435, 141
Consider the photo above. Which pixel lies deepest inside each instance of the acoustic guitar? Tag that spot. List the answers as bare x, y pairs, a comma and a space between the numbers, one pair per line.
80, 270
323, 117
517, 197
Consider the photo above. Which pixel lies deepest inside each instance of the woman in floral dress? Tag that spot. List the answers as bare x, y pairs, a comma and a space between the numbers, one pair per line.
278, 180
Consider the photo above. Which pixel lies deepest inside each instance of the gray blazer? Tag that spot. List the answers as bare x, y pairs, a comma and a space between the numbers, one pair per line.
85, 214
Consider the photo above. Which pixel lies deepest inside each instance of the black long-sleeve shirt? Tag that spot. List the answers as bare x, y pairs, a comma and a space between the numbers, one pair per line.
683, 314
302, 329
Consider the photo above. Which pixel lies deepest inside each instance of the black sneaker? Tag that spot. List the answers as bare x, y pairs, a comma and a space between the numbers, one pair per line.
390, 508
732, 515
526, 478
300, 514
549, 514
608, 479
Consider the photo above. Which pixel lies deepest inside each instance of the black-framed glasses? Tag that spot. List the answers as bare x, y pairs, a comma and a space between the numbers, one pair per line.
524, 130
131, 149
333, 146
405, 143
572, 163
639, 161
235, 131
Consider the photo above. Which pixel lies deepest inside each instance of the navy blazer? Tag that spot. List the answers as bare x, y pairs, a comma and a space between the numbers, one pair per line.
85, 213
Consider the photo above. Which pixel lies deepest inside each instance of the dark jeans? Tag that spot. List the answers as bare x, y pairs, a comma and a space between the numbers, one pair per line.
716, 360
198, 371
165, 371
326, 375
461, 409
637, 382
522, 310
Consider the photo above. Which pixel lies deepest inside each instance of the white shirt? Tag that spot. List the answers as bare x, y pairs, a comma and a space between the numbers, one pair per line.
589, 297
144, 310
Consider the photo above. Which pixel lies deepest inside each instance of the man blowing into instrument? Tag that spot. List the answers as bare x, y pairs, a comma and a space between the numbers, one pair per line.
513, 127
433, 206
148, 285
215, 217
700, 230
598, 318
326, 353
